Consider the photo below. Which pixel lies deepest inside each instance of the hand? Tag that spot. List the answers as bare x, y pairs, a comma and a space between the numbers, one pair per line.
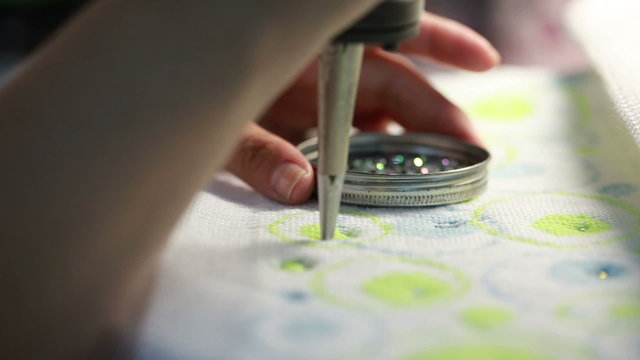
391, 89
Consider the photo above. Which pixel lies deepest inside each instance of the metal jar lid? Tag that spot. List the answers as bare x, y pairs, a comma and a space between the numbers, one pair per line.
409, 170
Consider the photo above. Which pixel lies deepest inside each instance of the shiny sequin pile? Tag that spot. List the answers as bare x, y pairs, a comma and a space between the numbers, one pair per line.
401, 163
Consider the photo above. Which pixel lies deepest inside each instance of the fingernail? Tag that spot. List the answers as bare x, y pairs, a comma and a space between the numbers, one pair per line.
285, 178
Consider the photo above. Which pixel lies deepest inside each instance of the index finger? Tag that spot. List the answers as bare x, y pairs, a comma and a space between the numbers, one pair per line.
391, 86
450, 42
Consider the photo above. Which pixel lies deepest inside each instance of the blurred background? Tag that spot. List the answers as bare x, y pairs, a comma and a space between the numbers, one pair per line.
526, 32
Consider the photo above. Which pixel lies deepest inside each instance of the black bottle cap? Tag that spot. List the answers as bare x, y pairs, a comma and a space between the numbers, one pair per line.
388, 23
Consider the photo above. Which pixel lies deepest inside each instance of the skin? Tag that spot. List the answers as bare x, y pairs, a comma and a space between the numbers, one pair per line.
108, 131
391, 89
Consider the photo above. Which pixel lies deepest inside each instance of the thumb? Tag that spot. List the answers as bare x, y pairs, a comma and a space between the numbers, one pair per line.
272, 166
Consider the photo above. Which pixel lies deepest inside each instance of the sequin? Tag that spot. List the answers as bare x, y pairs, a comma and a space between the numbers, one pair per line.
603, 274
398, 159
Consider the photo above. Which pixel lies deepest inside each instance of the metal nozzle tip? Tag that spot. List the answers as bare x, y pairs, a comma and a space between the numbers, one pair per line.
329, 196
327, 233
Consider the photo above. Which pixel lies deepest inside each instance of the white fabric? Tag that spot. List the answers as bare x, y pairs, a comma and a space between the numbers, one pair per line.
609, 30
485, 279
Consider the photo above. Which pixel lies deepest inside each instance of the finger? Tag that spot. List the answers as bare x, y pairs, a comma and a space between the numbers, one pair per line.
377, 122
392, 86
452, 43
272, 166
295, 111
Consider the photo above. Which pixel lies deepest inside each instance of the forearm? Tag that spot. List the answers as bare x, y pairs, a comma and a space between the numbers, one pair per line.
106, 134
